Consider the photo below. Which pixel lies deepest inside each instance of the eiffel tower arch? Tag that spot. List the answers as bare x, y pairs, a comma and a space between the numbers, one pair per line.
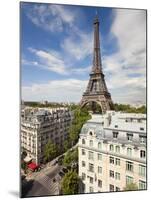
96, 91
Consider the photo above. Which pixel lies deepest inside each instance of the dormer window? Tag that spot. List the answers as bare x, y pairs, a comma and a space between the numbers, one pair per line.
142, 139
115, 135
142, 154
111, 147
83, 141
129, 136
90, 133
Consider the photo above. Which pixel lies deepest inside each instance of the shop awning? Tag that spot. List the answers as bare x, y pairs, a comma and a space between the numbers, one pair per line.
32, 166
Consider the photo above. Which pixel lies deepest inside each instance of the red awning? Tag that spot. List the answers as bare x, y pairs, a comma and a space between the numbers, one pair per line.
33, 166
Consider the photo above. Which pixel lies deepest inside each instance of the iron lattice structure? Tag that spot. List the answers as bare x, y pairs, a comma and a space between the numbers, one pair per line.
97, 91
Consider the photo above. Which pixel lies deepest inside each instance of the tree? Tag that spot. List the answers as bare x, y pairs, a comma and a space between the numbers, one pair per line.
70, 183
66, 145
70, 157
80, 117
131, 187
67, 159
24, 166
129, 109
50, 151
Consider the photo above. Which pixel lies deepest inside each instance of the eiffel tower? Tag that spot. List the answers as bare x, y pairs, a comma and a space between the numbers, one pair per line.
97, 92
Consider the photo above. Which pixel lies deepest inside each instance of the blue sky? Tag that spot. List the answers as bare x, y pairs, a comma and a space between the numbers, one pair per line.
57, 49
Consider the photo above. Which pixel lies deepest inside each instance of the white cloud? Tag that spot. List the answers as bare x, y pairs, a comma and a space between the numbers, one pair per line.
53, 61
126, 69
50, 61
57, 90
50, 17
78, 45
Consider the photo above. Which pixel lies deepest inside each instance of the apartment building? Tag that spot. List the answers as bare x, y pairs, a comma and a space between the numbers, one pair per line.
112, 152
39, 125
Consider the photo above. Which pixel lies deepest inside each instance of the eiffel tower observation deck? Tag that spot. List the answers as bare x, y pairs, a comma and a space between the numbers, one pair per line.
96, 91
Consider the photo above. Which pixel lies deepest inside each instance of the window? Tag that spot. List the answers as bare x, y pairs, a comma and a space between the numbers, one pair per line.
111, 160
129, 166
83, 151
117, 149
111, 174
141, 128
129, 136
91, 167
142, 139
91, 180
91, 143
91, 189
115, 135
100, 170
99, 145
142, 170
116, 126
90, 155
90, 133
99, 156
129, 152
111, 147
117, 176
83, 163
111, 188
117, 189
129, 180
142, 154
117, 161
99, 183
83, 176
83, 141
142, 185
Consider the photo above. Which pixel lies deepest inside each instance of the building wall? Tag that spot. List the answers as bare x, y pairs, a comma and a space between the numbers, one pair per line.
37, 130
104, 163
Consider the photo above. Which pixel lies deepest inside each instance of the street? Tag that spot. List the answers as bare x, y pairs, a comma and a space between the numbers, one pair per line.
42, 183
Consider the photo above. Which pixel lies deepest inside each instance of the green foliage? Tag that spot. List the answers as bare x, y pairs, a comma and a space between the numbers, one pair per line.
131, 186
70, 157
70, 183
80, 117
24, 165
50, 151
66, 145
39, 104
129, 109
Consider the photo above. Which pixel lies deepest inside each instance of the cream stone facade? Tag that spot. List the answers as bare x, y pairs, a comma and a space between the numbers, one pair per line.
112, 152
39, 125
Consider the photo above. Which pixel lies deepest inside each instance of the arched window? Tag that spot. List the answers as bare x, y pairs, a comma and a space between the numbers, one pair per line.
111, 147
83, 141
117, 149
129, 151
99, 145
